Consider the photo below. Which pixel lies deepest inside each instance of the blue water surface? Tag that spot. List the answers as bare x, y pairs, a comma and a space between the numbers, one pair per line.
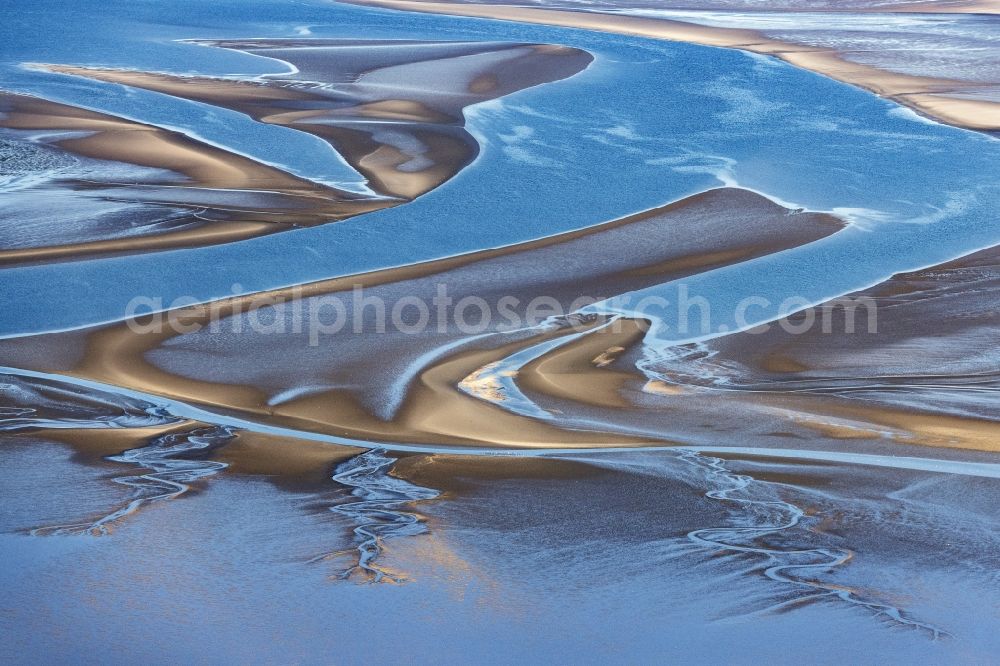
647, 123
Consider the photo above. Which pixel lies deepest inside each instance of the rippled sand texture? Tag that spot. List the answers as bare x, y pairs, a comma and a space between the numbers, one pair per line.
923, 373
432, 386
926, 372
944, 6
393, 110
88, 182
297, 475
506, 543
787, 527
922, 62
909, 361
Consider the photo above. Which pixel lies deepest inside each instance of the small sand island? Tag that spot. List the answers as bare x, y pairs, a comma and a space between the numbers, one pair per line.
604, 332
966, 99
403, 140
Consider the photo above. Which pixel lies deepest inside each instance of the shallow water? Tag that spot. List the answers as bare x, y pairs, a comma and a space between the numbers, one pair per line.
806, 140
520, 568
529, 493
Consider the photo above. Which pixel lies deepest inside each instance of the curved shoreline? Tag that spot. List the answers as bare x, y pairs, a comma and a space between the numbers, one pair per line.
357, 394
340, 448
405, 140
927, 96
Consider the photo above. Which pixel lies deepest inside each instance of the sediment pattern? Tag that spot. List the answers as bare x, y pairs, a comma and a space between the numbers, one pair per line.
380, 510
565, 449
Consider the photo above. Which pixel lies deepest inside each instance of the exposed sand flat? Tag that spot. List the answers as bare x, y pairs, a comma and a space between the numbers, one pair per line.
393, 110
974, 114
398, 386
826, 6
219, 231
926, 95
286, 462
228, 197
578, 371
626, 25
379, 163
957, 7
927, 376
351, 93
114, 138
101, 428
838, 420
454, 473
93, 445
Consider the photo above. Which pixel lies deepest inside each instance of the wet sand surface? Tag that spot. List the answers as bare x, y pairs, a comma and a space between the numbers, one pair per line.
191, 193
518, 547
923, 64
923, 375
393, 110
917, 366
881, 6
323, 472
401, 384
357, 95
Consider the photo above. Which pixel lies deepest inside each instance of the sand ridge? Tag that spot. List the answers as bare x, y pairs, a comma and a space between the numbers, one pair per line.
926, 95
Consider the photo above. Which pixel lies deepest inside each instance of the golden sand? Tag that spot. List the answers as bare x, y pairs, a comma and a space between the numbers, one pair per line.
296, 201
948, 312
435, 409
579, 372
454, 472
839, 421
231, 197
285, 461
954, 7
926, 95
94, 444
330, 119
